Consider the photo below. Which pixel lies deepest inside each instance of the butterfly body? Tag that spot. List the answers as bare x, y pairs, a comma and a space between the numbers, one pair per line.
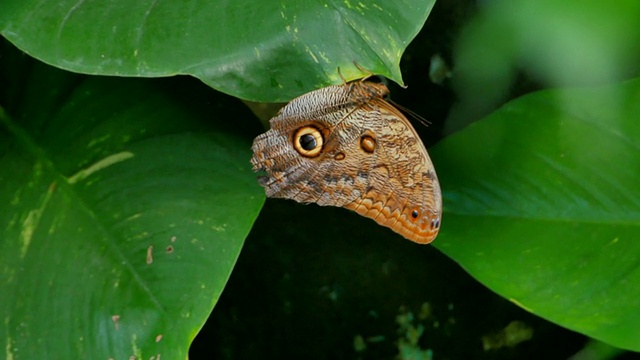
345, 146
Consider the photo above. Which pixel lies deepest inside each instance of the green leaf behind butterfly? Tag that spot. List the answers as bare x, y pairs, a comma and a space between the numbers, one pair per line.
124, 210
542, 205
252, 49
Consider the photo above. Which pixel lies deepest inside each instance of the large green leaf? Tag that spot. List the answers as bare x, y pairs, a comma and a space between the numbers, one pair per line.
253, 49
542, 205
123, 211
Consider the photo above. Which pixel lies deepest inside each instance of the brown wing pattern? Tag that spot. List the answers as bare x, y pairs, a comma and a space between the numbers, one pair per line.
346, 146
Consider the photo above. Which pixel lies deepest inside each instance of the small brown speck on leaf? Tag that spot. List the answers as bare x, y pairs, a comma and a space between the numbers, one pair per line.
150, 254
169, 249
116, 319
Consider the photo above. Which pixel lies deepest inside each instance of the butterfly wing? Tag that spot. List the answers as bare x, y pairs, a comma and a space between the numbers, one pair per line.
403, 192
345, 146
324, 179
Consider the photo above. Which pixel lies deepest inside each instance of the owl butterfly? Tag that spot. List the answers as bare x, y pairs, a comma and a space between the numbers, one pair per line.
344, 145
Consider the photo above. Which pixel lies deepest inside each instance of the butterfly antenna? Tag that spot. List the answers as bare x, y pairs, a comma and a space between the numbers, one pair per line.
344, 82
366, 71
411, 113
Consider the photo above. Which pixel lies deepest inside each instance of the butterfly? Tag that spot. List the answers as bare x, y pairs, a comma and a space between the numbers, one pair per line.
346, 146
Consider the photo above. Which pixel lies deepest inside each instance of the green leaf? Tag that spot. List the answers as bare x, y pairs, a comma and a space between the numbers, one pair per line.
125, 209
542, 203
258, 50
